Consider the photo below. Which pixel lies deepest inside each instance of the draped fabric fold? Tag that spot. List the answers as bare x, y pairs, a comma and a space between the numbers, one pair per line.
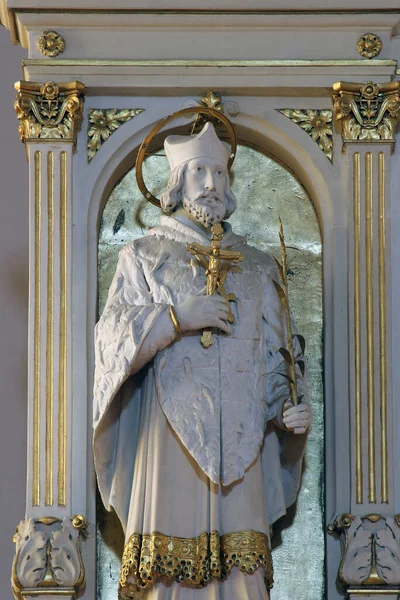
188, 443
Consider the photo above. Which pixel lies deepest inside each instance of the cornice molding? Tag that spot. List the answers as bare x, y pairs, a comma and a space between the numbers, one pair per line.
65, 62
186, 77
20, 18
226, 5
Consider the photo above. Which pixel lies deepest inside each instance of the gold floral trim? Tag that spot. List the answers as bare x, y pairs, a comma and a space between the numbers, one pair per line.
369, 45
103, 123
51, 43
318, 125
192, 561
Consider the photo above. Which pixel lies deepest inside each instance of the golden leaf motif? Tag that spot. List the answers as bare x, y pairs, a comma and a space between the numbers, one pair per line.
212, 100
318, 125
49, 110
367, 112
103, 123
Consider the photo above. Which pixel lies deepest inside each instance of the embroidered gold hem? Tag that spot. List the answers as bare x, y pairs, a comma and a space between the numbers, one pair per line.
192, 561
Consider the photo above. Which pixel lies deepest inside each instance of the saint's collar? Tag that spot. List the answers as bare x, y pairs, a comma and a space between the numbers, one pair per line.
173, 229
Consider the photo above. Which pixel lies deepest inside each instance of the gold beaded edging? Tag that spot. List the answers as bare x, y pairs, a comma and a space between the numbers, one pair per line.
192, 561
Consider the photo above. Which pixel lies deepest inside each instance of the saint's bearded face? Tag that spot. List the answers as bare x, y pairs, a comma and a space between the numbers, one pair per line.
203, 190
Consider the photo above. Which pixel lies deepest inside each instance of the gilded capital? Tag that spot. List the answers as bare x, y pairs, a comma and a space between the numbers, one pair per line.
368, 112
51, 111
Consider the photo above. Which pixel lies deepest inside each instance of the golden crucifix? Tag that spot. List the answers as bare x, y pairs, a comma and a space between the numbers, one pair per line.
216, 268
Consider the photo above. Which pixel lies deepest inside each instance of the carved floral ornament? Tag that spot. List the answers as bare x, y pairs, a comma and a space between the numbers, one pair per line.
367, 112
318, 125
369, 45
51, 43
212, 100
103, 123
49, 111
49, 555
370, 549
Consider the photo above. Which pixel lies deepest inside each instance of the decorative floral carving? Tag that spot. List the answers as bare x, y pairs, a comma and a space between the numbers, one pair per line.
369, 45
48, 554
31, 550
367, 112
50, 110
370, 549
212, 100
103, 123
318, 125
51, 43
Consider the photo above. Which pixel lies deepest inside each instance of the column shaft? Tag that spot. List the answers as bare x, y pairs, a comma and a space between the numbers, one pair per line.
49, 309
370, 392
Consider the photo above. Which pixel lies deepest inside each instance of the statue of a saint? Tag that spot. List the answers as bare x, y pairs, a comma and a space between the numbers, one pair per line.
196, 447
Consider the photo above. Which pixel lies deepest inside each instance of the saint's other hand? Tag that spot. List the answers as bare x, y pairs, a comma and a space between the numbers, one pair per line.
199, 312
297, 418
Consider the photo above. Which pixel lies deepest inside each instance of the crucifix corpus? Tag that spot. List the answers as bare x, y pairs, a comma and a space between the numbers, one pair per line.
216, 268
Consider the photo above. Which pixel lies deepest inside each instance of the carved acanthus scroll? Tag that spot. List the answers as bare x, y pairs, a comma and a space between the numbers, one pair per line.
48, 555
370, 549
367, 112
49, 111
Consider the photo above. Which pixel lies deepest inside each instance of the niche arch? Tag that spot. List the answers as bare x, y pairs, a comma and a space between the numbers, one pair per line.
278, 139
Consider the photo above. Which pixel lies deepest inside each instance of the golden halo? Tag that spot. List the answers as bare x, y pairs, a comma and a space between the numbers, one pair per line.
185, 111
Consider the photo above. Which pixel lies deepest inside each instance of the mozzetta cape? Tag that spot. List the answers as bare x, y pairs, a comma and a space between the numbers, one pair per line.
217, 400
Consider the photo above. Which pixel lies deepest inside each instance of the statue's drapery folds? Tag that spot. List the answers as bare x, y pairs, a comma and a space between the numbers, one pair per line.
200, 413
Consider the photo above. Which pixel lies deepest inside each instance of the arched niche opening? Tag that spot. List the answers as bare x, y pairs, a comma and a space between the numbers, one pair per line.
266, 189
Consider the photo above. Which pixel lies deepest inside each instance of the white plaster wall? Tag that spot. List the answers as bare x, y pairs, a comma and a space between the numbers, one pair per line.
13, 310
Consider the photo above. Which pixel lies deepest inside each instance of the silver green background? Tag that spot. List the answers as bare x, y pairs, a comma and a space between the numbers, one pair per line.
265, 190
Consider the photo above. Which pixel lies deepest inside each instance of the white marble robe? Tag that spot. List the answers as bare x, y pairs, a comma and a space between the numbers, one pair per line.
189, 444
